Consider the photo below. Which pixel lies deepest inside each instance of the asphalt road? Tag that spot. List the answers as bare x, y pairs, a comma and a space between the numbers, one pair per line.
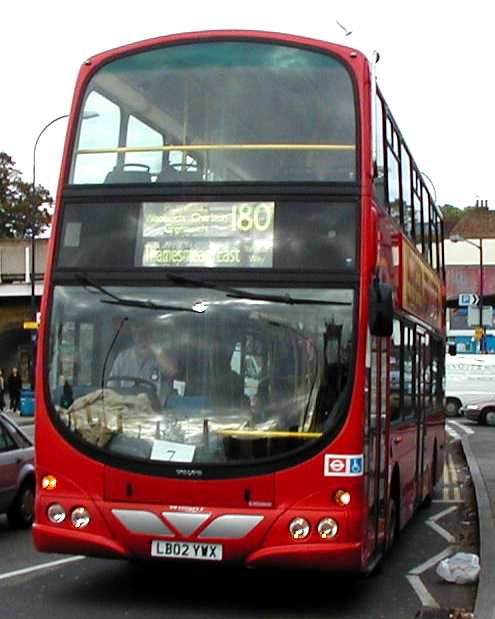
34, 585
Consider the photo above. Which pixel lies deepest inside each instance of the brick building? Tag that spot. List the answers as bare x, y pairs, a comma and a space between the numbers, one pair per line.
465, 262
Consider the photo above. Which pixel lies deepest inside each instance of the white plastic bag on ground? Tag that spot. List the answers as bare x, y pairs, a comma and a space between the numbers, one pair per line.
461, 568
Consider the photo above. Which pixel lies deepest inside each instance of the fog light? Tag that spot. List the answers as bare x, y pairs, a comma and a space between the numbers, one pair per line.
342, 497
80, 517
299, 528
49, 482
327, 528
56, 513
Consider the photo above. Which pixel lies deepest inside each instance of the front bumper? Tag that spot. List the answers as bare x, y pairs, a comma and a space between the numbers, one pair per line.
471, 413
255, 540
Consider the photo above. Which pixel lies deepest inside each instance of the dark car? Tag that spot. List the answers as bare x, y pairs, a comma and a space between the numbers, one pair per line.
482, 411
17, 481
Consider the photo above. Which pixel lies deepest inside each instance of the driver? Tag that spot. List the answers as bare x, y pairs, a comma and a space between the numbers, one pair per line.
147, 360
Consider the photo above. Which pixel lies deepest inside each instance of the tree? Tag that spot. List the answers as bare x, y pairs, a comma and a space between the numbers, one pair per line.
452, 212
21, 212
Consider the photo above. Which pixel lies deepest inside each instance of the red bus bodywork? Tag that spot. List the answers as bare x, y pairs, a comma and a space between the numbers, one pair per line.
305, 490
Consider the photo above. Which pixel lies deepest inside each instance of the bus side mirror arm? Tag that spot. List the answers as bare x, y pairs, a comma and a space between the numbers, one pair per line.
381, 309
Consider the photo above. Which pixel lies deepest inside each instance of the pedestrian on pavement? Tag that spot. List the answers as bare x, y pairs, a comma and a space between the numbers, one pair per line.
14, 386
2, 391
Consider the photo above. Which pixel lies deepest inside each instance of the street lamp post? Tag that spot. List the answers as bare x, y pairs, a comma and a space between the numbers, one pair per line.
86, 115
33, 248
456, 238
33, 227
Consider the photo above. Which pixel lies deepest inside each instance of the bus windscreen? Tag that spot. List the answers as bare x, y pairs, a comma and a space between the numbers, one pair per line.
214, 112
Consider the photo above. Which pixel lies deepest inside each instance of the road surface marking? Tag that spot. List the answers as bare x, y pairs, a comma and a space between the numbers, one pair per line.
41, 566
433, 524
441, 531
455, 479
447, 501
422, 592
453, 433
431, 561
447, 510
460, 426
446, 481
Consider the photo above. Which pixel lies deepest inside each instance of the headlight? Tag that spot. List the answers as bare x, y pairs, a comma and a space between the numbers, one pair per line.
56, 513
80, 517
299, 528
327, 528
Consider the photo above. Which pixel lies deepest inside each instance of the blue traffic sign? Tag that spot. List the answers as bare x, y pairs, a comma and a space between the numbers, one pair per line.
468, 298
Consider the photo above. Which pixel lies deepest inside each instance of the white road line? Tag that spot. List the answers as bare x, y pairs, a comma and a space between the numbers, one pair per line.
452, 433
443, 513
462, 427
41, 566
447, 501
446, 481
422, 592
441, 531
455, 480
431, 562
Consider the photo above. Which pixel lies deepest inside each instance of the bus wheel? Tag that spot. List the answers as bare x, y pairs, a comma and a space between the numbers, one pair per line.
392, 523
452, 407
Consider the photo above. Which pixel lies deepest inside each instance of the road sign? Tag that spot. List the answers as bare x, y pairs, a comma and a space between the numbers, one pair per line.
473, 318
468, 298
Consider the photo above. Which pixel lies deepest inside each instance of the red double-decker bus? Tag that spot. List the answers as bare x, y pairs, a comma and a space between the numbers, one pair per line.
242, 348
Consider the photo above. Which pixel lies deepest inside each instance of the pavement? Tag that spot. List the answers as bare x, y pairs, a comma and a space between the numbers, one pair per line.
20, 420
479, 452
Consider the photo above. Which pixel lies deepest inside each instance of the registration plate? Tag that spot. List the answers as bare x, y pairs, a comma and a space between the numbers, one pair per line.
186, 550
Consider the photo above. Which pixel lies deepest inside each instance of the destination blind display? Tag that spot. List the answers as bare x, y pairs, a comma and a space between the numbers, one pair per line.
207, 234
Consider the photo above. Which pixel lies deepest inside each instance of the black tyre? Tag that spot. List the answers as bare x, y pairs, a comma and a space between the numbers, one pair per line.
452, 407
489, 417
427, 501
21, 514
393, 523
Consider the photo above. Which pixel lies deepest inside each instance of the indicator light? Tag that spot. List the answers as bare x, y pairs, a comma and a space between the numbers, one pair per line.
48, 482
342, 497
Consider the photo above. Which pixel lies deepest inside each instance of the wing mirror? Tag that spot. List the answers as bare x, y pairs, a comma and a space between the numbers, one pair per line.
381, 315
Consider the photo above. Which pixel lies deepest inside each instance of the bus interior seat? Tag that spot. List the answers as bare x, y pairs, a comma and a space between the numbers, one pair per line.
171, 175
129, 173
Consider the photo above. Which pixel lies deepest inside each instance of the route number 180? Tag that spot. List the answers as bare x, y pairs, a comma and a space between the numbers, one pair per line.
247, 217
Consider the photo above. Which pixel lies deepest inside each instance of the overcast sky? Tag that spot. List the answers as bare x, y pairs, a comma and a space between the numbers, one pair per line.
436, 70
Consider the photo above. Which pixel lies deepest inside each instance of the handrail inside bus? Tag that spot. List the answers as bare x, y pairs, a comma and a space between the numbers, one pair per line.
209, 147
269, 433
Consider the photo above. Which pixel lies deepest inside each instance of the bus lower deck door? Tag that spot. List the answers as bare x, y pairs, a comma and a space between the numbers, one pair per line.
422, 380
376, 436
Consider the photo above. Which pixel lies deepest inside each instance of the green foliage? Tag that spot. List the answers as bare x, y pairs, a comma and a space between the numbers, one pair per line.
451, 212
21, 211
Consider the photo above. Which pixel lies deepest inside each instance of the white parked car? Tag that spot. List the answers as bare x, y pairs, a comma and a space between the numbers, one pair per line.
483, 411
469, 379
17, 481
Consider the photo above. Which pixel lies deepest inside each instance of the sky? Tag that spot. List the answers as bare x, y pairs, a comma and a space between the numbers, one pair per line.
436, 70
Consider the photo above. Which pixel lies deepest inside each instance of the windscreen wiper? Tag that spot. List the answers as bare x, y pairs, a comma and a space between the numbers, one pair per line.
116, 300
237, 293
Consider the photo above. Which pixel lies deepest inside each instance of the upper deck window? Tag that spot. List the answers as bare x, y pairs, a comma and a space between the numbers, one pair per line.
218, 112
